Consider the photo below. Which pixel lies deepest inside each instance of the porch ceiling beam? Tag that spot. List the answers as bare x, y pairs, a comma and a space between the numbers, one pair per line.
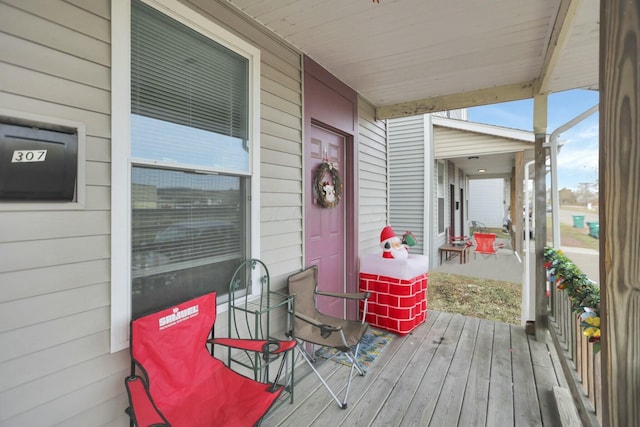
492, 95
561, 27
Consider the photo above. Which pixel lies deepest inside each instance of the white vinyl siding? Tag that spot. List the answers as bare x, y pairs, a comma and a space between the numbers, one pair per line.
487, 201
451, 143
373, 195
55, 360
54, 264
407, 168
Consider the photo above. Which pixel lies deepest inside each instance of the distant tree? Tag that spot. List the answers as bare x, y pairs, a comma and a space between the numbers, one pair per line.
567, 197
585, 193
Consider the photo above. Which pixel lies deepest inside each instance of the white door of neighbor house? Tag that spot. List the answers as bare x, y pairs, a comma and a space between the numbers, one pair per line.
325, 227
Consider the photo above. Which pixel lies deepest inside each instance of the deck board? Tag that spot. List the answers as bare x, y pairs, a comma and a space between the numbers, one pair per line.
451, 370
476, 394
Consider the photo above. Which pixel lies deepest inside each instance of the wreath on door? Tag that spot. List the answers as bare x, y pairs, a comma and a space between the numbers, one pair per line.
327, 185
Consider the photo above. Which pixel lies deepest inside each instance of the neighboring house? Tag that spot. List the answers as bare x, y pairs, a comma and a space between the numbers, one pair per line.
213, 165
489, 201
432, 160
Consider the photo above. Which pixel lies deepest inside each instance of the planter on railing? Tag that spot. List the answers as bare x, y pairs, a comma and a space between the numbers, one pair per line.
575, 311
583, 293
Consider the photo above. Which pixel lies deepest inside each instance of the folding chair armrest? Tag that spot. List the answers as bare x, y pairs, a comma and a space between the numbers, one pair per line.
260, 346
326, 329
356, 296
142, 410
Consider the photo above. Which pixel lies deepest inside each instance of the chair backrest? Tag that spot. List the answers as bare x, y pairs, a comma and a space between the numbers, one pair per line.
170, 346
485, 242
303, 285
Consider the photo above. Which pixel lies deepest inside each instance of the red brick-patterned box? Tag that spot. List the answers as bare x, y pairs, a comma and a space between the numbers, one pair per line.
396, 304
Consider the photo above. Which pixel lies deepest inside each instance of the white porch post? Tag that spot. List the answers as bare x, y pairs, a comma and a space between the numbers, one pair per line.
540, 131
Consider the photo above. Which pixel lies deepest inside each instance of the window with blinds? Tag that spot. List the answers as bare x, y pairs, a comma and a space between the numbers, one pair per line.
191, 172
189, 95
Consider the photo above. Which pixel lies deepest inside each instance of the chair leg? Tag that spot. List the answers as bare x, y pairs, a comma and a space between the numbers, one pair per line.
354, 367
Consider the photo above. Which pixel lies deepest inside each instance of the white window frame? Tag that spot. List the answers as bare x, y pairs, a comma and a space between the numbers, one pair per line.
121, 146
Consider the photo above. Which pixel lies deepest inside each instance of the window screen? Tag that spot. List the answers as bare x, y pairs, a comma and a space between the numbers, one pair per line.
187, 235
190, 177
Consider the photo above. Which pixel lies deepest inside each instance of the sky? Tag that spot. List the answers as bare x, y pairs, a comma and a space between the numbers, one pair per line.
578, 158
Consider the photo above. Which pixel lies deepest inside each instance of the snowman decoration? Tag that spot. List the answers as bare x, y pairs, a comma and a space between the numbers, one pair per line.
392, 247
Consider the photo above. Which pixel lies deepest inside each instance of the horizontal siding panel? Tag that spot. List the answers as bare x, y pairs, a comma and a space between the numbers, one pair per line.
276, 129
277, 116
35, 225
34, 84
277, 227
283, 240
280, 267
269, 170
68, 16
101, 8
270, 185
280, 199
373, 191
281, 145
450, 143
98, 124
39, 281
30, 311
281, 104
280, 213
109, 412
19, 342
282, 84
41, 363
282, 261
45, 60
280, 90
42, 253
62, 383
285, 60
98, 198
47, 33
98, 149
278, 158
98, 173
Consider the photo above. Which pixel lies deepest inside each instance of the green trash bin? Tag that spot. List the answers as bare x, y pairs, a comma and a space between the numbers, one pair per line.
578, 221
594, 229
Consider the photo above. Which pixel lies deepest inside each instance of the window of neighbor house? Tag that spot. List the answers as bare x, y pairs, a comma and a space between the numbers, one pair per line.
191, 168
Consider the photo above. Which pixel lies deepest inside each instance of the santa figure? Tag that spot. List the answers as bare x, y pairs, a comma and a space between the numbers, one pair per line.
391, 245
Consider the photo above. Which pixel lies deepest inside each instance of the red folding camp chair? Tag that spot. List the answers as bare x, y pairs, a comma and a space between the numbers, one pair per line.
182, 384
486, 244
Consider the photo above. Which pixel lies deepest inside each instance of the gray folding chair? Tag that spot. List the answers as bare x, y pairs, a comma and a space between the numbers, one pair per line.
311, 327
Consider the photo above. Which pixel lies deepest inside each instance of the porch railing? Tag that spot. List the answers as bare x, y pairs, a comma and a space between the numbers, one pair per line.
581, 364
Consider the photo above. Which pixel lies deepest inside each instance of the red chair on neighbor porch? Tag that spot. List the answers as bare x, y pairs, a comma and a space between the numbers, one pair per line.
486, 244
181, 383
456, 240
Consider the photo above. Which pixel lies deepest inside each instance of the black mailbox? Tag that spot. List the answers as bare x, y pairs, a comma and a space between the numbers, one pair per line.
37, 162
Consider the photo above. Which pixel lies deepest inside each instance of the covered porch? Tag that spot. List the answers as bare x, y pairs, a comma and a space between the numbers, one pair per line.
450, 371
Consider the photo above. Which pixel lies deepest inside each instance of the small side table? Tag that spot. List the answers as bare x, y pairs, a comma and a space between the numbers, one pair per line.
250, 317
451, 250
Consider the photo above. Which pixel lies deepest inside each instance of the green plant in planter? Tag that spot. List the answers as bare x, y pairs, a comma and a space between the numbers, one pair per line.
583, 294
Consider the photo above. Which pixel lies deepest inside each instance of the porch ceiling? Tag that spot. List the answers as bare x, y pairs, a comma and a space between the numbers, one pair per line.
415, 56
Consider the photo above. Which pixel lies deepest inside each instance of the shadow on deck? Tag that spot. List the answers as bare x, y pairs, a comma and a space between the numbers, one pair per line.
450, 371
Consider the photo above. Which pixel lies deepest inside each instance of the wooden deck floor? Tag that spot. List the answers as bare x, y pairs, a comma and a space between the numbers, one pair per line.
450, 371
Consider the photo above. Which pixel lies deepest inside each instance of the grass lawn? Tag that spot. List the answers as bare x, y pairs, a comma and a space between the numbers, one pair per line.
571, 236
474, 297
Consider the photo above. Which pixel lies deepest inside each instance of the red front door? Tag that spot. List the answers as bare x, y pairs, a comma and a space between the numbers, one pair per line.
325, 227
